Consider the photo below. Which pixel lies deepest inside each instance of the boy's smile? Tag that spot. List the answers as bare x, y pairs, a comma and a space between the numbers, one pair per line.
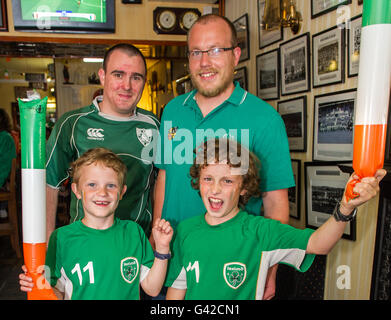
220, 191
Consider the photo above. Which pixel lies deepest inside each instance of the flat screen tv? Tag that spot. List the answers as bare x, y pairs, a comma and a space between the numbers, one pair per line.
64, 16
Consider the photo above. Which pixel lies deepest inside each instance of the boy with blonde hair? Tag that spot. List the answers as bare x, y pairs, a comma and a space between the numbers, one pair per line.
100, 256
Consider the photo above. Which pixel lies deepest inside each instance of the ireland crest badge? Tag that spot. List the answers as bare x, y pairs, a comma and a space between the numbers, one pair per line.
234, 274
144, 136
129, 269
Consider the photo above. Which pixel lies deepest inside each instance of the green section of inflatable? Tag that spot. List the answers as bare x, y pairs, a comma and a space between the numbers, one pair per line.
33, 133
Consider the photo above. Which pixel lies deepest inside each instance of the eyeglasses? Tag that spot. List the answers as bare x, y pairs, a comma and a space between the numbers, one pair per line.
213, 53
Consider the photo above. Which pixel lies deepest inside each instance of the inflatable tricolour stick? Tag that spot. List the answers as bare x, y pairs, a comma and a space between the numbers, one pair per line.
373, 92
33, 133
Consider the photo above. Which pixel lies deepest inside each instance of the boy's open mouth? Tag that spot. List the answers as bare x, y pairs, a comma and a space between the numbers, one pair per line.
215, 204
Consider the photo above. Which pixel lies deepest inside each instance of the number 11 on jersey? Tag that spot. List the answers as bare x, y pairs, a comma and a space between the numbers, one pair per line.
89, 266
195, 266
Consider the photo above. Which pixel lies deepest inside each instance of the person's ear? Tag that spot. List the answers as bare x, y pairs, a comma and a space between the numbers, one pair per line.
102, 75
243, 192
237, 52
75, 190
123, 192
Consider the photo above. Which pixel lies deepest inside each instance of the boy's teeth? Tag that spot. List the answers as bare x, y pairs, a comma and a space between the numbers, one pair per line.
215, 200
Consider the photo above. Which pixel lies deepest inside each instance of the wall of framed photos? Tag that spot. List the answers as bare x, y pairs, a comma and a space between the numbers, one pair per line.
300, 81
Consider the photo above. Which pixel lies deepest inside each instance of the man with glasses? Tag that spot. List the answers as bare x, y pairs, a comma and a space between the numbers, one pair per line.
219, 107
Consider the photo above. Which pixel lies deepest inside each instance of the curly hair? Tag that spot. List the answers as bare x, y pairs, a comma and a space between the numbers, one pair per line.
232, 153
101, 156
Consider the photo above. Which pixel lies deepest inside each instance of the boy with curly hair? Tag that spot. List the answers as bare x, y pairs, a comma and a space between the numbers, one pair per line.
225, 254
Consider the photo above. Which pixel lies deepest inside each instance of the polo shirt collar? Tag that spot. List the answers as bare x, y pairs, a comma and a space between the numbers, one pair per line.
236, 98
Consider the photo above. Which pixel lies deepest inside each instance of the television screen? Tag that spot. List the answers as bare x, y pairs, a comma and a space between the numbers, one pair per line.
67, 16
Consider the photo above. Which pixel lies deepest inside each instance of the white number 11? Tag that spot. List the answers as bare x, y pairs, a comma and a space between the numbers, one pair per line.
88, 267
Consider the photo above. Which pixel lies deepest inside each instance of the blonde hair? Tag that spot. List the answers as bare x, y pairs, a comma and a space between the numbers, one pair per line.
101, 156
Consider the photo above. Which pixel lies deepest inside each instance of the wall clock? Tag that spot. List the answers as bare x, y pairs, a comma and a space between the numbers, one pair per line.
171, 20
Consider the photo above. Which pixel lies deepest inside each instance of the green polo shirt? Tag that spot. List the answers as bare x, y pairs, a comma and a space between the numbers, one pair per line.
243, 116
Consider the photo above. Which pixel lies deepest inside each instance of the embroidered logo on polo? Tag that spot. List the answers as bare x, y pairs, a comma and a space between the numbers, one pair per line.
172, 132
95, 134
129, 269
234, 274
144, 136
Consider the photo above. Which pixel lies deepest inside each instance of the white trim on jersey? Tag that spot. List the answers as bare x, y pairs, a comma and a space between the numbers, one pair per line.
65, 285
180, 282
293, 257
144, 270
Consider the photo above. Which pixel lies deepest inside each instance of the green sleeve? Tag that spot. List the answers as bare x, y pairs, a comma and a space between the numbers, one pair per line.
59, 153
7, 153
53, 261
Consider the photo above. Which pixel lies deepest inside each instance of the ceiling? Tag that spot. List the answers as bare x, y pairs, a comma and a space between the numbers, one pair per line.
33, 57
59, 50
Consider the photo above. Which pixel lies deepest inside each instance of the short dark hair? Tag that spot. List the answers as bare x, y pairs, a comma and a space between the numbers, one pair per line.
204, 19
129, 49
232, 153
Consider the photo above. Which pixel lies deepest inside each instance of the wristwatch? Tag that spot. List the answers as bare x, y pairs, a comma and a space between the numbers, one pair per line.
162, 256
338, 216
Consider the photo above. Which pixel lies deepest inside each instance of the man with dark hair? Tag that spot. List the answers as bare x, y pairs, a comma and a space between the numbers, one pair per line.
114, 121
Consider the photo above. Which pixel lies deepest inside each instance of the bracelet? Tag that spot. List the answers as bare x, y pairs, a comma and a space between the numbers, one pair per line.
338, 216
162, 256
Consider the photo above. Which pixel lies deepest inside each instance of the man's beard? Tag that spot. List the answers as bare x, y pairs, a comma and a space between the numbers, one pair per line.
212, 92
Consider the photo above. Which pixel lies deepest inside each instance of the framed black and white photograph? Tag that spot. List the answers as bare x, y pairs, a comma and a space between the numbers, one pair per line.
3, 16
294, 192
241, 26
268, 75
354, 40
324, 188
241, 76
334, 126
295, 65
328, 57
319, 7
266, 37
294, 114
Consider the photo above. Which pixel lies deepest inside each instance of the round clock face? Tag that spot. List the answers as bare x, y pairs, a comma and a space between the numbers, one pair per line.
166, 20
188, 19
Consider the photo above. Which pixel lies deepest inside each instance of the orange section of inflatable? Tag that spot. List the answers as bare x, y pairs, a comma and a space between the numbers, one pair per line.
368, 152
34, 259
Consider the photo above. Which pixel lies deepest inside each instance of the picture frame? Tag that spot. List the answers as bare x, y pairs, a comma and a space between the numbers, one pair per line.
295, 65
240, 75
242, 30
294, 192
294, 114
3, 16
320, 7
328, 57
266, 37
324, 188
268, 75
354, 40
334, 126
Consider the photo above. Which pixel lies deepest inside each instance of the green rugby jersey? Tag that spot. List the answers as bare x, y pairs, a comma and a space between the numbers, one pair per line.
82, 129
90, 264
230, 261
